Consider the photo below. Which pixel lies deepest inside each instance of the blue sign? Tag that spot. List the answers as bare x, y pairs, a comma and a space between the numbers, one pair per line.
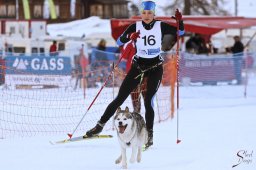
41, 65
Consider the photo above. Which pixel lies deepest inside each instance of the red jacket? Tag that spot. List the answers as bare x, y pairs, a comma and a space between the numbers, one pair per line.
83, 62
128, 51
53, 48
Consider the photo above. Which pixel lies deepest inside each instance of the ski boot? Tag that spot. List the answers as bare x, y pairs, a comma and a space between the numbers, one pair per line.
96, 130
150, 139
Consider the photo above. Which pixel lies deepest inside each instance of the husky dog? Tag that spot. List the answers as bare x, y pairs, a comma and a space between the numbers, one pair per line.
131, 132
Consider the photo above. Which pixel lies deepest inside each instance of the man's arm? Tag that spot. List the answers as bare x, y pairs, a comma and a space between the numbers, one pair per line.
125, 37
168, 29
169, 35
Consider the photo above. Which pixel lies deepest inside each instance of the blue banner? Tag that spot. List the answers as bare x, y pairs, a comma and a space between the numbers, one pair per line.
41, 65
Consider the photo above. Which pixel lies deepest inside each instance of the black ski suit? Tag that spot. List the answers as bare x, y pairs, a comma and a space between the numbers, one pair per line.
154, 74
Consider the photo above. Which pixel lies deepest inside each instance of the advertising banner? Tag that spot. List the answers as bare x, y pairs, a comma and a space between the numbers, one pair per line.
211, 69
38, 65
42, 71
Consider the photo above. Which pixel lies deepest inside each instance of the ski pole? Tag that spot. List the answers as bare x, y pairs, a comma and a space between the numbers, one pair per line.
113, 92
178, 68
106, 81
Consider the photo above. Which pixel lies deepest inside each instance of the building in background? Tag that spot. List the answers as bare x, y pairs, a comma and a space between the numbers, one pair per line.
63, 10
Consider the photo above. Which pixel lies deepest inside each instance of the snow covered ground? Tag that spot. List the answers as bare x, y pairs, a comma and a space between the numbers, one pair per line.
216, 128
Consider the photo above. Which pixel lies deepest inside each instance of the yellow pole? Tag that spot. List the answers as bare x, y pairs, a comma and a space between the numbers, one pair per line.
52, 9
26, 9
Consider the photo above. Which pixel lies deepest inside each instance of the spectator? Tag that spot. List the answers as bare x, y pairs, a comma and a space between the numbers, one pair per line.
78, 71
53, 49
101, 62
83, 64
2, 70
196, 44
237, 49
191, 46
100, 54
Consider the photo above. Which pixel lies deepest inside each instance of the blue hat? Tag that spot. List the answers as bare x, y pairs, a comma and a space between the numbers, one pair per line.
148, 5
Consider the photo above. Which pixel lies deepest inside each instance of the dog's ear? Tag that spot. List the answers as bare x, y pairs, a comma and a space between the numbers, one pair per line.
129, 115
127, 109
115, 117
118, 110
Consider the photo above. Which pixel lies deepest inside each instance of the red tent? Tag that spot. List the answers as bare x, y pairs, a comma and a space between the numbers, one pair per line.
206, 25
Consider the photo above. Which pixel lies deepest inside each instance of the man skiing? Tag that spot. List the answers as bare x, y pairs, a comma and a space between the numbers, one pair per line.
148, 37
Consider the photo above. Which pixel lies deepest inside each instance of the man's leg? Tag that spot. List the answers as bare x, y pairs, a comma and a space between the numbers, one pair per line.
153, 83
136, 103
127, 86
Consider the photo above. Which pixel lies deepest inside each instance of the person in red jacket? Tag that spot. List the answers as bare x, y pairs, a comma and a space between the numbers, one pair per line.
83, 63
53, 49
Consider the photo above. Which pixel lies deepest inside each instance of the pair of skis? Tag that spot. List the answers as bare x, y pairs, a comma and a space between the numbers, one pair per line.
82, 138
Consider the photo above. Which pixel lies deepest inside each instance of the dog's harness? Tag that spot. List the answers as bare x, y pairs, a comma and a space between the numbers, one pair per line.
141, 75
129, 143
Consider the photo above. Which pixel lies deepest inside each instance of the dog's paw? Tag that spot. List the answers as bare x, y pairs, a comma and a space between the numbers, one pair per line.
132, 160
138, 159
124, 166
139, 156
118, 161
